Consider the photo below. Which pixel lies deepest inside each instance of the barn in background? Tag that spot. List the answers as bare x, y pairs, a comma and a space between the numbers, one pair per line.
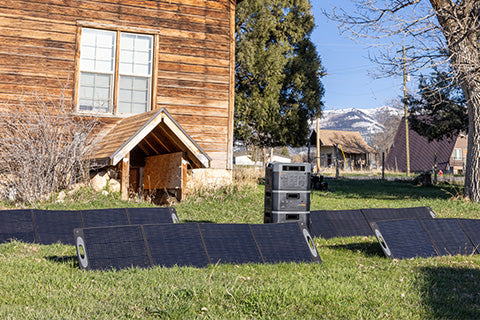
449, 153
159, 74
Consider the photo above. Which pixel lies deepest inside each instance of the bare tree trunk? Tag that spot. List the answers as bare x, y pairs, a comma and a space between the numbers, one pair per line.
460, 28
472, 174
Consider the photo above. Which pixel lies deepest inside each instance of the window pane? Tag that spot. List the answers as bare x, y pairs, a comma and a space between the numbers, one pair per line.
143, 43
97, 50
86, 92
126, 82
87, 79
139, 107
87, 64
126, 68
139, 96
88, 52
134, 94
85, 105
142, 57
126, 56
142, 69
125, 96
128, 41
141, 84
103, 66
135, 54
124, 107
104, 54
88, 36
95, 92
457, 154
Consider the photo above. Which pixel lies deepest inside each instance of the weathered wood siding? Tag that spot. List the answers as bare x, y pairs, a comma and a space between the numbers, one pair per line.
194, 62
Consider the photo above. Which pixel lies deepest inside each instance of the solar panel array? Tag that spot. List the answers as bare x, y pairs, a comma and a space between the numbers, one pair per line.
410, 238
193, 244
51, 226
347, 223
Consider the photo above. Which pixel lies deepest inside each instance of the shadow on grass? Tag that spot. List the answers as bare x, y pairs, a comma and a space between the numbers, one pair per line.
389, 189
370, 249
197, 221
64, 259
451, 293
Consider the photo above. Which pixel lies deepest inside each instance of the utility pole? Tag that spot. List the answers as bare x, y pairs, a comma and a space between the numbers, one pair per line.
407, 147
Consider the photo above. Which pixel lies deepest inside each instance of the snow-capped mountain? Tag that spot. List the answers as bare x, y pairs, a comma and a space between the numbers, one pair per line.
366, 121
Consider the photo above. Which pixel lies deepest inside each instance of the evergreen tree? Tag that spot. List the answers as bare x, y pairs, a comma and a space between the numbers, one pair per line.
440, 109
278, 71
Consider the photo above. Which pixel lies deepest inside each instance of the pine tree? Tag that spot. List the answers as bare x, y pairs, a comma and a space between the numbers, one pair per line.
278, 71
440, 109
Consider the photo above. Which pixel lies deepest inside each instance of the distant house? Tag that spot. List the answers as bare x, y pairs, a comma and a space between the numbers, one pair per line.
158, 74
351, 149
450, 153
243, 158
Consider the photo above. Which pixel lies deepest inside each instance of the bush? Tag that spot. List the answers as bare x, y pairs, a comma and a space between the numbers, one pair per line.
43, 147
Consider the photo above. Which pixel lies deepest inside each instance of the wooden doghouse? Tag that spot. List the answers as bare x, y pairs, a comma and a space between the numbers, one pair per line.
152, 152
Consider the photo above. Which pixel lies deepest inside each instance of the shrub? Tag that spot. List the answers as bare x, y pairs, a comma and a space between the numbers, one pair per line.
43, 147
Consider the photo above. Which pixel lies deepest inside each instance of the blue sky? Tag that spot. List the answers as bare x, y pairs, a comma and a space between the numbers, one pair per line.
349, 83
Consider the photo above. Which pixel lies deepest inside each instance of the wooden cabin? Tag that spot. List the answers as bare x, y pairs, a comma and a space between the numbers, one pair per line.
348, 147
158, 73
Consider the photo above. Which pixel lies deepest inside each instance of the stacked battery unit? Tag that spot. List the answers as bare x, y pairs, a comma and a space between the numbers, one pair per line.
287, 193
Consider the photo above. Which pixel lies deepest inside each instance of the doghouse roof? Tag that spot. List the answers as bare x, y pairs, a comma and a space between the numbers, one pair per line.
154, 132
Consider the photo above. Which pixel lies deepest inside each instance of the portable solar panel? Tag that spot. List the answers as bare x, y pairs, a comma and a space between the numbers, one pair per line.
192, 244
176, 244
320, 225
156, 215
56, 225
230, 243
111, 247
403, 239
448, 237
379, 214
415, 212
472, 229
285, 242
16, 224
104, 217
349, 223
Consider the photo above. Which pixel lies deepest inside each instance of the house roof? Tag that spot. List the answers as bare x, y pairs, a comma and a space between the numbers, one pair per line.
154, 132
350, 141
422, 152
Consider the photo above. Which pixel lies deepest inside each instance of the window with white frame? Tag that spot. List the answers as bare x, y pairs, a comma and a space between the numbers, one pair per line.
457, 154
115, 72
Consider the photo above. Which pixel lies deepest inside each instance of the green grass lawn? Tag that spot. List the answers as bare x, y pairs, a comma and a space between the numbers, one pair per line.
355, 280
